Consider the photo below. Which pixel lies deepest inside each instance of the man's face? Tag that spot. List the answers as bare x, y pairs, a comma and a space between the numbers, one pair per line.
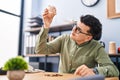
80, 33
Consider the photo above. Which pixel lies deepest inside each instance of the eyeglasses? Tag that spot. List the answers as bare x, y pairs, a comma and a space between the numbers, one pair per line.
78, 30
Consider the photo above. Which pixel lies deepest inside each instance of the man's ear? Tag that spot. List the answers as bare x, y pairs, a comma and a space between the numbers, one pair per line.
89, 37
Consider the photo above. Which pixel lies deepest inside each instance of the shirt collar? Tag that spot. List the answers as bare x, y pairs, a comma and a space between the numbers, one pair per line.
79, 45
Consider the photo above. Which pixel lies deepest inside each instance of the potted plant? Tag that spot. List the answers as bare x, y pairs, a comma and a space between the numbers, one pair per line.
15, 68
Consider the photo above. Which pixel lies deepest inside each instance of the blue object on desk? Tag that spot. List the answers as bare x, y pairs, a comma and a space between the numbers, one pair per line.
94, 77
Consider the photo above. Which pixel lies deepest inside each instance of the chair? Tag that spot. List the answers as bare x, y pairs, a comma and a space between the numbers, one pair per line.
103, 43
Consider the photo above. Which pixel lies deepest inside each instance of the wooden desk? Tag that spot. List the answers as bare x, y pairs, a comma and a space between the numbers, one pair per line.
41, 76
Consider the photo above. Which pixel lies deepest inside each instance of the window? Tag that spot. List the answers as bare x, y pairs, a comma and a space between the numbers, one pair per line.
9, 29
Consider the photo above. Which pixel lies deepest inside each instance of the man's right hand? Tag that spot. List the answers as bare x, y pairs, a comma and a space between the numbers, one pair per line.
48, 15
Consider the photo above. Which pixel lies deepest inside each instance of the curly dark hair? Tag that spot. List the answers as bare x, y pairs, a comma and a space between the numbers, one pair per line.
94, 24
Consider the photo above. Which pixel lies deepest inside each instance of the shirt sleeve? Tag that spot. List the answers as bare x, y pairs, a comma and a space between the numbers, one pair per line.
44, 47
105, 65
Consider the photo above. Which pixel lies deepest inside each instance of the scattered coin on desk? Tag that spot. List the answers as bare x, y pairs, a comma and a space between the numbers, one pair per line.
53, 75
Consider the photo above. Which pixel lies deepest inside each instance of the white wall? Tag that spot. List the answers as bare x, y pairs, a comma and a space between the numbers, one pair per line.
72, 9
9, 30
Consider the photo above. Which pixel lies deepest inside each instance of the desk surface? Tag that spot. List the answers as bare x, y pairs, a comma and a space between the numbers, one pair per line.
50, 76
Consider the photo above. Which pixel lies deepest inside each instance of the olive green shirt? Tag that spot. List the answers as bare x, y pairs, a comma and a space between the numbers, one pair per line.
91, 54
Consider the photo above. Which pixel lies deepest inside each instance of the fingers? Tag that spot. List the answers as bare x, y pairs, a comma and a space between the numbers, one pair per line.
48, 15
49, 12
79, 70
84, 71
45, 12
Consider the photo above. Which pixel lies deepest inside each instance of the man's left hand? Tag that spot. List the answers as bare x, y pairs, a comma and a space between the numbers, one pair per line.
84, 71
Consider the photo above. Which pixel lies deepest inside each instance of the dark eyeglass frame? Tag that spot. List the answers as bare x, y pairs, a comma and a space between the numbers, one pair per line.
79, 30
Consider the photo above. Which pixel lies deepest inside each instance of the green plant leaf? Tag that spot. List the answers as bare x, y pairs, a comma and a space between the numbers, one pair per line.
16, 63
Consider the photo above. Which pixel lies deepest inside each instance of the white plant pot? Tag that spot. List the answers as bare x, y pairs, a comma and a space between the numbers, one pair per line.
16, 74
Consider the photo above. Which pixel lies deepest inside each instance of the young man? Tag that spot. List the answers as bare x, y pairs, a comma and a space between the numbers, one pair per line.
80, 52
